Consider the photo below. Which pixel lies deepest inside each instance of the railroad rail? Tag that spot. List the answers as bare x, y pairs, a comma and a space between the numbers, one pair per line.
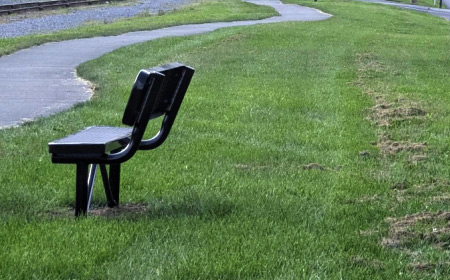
47, 5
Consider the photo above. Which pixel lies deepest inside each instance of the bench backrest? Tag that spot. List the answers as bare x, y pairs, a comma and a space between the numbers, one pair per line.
156, 92
169, 98
167, 103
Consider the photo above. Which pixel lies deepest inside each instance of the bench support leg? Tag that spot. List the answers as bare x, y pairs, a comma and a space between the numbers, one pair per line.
107, 186
82, 194
114, 181
90, 185
85, 185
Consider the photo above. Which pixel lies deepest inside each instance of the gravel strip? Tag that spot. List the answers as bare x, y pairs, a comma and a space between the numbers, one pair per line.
10, 2
77, 17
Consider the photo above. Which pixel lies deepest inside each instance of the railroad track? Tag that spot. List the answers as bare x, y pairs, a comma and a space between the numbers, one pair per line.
47, 5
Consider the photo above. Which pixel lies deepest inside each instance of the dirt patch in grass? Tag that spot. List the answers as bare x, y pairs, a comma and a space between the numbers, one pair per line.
59, 213
434, 192
416, 158
384, 113
422, 266
103, 211
412, 233
314, 166
368, 66
400, 186
429, 267
401, 196
431, 228
394, 147
364, 154
123, 209
389, 147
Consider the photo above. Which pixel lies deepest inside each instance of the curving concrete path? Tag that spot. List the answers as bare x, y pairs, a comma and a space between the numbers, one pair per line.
41, 80
446, 3
442, 13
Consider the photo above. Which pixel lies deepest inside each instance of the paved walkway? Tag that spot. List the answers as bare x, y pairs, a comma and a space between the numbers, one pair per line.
443, 13
41, 80
446, 3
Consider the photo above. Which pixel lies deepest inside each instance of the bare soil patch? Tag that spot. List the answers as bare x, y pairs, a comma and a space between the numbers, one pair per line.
431, 228
314, 166
428, 267
383, 113
122, 209
103, 211
410, 233
400, 186
416, 158
389, 147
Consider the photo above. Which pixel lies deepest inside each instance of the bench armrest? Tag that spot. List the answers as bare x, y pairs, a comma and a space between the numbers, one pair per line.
160, 137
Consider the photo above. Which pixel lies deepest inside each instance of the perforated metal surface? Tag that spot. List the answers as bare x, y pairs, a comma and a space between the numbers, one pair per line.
94, 139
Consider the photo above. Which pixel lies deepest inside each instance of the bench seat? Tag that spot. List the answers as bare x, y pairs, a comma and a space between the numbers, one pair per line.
92, 140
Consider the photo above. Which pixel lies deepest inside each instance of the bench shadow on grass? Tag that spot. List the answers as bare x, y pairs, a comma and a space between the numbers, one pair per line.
155, 209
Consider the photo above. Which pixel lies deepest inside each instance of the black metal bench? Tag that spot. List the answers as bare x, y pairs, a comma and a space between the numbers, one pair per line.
156, 92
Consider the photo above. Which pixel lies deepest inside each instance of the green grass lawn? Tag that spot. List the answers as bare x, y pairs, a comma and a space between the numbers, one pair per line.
311, 150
